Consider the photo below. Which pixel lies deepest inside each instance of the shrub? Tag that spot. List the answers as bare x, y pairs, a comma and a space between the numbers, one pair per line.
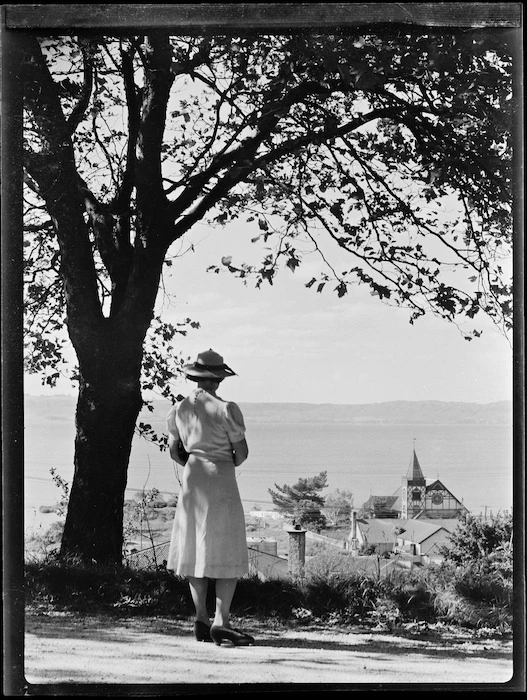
476, 540
327, 561
314, 548
74, 585
43, 543
411, 593
474, 586
460, 611
470, 584
448, 594
346, 597
272, 598
467, 597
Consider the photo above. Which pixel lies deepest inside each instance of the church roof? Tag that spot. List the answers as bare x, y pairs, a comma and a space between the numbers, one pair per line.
397, 502
415, 472
387, 501
382, 505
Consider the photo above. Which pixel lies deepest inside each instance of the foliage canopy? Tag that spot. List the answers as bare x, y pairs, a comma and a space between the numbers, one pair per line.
484, 543
387, 154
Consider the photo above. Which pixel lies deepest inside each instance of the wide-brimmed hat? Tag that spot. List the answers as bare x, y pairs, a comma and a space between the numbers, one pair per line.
208, 365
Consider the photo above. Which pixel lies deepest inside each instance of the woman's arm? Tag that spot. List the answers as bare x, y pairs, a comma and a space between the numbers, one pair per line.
240, 452
173, 448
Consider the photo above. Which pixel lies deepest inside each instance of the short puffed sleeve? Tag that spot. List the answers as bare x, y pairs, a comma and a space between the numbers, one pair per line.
234, 423
171, 422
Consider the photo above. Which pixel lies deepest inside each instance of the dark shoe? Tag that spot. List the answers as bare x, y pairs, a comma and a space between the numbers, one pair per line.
202, 631
221, 634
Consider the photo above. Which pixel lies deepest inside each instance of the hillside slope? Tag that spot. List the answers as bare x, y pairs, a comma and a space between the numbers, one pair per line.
62, 407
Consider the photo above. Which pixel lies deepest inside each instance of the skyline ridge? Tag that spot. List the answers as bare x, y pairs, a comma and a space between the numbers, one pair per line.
61, 407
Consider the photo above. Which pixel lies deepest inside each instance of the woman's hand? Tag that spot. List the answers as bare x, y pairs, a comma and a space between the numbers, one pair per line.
240, 452
173, 448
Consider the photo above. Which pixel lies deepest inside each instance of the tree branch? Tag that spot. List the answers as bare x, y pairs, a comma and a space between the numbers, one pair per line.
122, 201
114, 248
242, 160
80, 108
53, 169
158, 81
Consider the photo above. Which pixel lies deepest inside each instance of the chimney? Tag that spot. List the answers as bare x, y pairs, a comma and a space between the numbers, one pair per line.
297, 552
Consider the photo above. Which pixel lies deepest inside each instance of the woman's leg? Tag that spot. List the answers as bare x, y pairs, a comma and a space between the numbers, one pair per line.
225, 588
198, 591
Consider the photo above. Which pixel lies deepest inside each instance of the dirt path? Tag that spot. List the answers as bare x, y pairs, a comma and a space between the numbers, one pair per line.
63, 648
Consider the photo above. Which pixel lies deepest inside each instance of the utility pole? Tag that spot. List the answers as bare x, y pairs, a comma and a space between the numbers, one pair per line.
483, 516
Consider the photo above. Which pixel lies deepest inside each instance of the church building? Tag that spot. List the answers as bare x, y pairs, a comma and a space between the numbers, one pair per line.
416, 498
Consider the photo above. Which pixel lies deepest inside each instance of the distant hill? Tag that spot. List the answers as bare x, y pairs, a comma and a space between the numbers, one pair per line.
61, 407
390, 412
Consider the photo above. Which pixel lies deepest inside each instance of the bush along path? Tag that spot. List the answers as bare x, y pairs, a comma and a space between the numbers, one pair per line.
461, 596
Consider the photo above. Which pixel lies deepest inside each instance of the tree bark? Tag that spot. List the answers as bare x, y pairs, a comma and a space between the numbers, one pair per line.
105, 421
109, 402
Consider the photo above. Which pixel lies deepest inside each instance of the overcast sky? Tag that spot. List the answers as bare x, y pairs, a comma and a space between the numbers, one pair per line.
288, 343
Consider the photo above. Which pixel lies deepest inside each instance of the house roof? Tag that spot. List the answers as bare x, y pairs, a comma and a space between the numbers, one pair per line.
378, 530
383, 530
420, 530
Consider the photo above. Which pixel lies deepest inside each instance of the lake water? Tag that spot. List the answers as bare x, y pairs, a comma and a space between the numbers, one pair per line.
473, 461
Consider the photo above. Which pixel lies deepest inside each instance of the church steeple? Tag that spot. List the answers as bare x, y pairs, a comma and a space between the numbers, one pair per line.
413, 489
414, 474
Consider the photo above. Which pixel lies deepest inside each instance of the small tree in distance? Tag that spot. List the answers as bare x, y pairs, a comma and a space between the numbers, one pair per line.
338, 505
302, 501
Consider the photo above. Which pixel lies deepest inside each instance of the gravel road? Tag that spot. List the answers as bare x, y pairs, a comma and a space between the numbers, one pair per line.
77, 651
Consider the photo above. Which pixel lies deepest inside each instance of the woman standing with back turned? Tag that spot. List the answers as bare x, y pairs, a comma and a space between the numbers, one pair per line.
208, 538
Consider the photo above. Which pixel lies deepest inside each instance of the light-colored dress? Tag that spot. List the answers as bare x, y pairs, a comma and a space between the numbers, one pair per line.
208, 537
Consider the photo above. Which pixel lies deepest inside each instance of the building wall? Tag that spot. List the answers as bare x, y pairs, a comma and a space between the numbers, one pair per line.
447, 504
429, 547
410, 505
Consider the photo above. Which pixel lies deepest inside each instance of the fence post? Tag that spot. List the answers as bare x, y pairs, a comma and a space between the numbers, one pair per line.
297, 552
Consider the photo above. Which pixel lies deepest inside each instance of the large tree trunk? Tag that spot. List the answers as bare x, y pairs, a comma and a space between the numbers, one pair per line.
108, 404
110, 357
105, 421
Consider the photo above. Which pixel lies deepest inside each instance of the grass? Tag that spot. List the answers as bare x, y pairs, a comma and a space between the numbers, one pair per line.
339, 599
